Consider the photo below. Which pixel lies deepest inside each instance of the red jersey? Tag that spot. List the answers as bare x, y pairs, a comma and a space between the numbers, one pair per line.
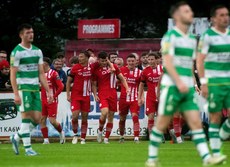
151, 77
82, 80
106, 80
55, 85
133, 78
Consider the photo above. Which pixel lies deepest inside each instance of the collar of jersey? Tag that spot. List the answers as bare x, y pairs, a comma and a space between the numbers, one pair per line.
218, 32
181, 32
25, 47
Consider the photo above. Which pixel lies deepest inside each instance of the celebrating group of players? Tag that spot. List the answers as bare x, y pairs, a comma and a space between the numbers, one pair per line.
104, 78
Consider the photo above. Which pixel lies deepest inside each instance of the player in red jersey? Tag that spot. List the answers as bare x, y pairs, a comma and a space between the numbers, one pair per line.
129, 101
50, 109
150, 76
106, 80
81, 75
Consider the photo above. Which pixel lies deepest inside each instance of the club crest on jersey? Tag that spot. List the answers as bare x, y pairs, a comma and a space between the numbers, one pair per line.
150, 79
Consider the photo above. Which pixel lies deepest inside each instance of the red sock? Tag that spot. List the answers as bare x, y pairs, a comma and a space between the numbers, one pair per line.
75, 126
44, 132
84, 127
150, 125
136, 126
122, 127
109, 128
59, 128
101, 125
177, 126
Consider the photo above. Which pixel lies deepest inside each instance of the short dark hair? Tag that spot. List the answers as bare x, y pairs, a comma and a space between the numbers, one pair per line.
215, 8
24, 26
86, 53
153, 54
131, 56
3, 51
144, 54
73, 60
112, 53
102, 55
47, 60
89, 50
60, 55
176, 6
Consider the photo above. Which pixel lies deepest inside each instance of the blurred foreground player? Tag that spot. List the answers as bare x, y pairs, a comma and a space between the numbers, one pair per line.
179, 50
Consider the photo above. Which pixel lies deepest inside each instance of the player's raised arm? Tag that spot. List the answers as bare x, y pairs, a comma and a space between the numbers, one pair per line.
123, 81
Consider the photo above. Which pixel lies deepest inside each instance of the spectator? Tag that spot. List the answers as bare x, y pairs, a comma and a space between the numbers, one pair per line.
61, 56
112, 57
5, 75
57, 66
3, 55
144, 61
119, 62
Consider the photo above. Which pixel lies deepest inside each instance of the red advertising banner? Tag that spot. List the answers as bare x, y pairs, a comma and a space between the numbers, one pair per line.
99, 28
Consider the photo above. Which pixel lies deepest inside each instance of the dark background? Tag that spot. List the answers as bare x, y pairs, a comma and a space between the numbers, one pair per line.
55, 21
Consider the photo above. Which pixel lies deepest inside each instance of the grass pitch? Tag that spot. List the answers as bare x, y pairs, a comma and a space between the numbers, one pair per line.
93, 154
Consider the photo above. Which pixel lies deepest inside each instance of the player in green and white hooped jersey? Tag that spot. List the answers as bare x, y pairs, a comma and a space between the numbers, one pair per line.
213, 64
177, 94
26, 72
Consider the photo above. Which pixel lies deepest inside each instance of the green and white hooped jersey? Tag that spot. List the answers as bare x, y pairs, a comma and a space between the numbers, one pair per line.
27, 61
216, 46
183, 49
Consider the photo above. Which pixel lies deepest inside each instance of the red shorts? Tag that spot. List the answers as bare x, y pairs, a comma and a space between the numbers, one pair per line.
109, 102
124, 107
49, 110
151, 106
81, 104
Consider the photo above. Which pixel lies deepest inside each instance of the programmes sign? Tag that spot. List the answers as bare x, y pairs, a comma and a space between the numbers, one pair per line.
99, 28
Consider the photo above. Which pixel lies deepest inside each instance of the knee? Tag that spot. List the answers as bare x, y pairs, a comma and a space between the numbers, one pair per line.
52, 121
122, 117
215, 117
43, 120
75, 116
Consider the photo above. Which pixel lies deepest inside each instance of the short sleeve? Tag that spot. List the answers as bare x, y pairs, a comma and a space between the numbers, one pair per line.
14, 59
167, 46
40, 61
73, 71
203, 45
